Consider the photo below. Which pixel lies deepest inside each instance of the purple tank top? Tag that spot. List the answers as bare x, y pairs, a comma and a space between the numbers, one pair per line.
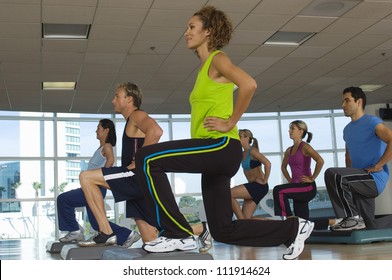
299, 164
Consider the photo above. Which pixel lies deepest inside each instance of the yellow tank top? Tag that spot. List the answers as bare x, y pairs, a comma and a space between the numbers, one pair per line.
210, 99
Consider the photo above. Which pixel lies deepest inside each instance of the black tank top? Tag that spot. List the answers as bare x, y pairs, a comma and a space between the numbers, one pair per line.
130, 145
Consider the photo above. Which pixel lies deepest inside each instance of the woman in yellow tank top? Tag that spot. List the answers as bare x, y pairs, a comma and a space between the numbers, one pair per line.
214, 152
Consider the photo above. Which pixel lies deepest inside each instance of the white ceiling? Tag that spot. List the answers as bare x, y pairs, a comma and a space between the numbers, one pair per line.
142, 41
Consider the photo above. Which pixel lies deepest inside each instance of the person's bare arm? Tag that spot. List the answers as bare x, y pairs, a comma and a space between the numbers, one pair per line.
347, 158
283, 167
255, 153
310, 152
108, 153
226, 71
148, 126
385, 134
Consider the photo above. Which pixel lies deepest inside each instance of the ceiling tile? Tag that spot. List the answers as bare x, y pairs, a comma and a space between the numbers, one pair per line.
263, 22
281, 7
67, 14
370, 10
120, 16
307, 24
20, 13
64, 45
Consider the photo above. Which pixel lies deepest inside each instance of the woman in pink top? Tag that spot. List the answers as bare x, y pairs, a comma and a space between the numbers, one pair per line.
301, 186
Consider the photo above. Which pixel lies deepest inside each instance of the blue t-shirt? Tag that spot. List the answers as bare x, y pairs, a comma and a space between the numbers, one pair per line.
365, 148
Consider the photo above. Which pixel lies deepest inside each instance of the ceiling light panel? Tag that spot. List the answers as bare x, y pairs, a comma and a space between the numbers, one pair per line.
289, 38
58, 85
65, 31
371, 87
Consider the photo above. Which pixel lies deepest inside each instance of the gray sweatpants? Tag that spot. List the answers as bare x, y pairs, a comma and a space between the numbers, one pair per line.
352, 192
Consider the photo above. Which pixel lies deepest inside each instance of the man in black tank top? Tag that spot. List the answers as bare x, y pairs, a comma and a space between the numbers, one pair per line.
140, 130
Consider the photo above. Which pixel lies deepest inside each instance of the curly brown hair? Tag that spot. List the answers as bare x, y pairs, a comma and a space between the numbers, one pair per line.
218, 24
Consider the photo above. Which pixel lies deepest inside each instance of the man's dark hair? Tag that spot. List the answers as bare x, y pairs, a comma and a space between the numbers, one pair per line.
357, 93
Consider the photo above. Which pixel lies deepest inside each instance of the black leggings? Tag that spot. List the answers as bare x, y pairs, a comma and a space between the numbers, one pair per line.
218, 160
300, 193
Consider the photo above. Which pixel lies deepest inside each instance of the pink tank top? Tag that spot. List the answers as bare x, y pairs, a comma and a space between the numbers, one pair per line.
299, 164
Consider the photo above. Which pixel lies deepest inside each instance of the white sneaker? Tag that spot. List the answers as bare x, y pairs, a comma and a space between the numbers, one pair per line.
205, 239
72, 236
305, 228
132, 238
349, 223
361, 223
165, 244
101, 239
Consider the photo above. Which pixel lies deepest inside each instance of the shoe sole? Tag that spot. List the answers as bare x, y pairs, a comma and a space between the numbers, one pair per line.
346, 229
96, 244
349, 229
70, 242
168, 250
360, 227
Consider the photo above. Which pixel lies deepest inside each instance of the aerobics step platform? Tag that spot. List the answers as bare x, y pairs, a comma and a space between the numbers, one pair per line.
75, 252
140, 254
56, 246
350, 237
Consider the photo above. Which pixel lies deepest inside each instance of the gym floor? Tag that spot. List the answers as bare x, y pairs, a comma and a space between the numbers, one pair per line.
33, 249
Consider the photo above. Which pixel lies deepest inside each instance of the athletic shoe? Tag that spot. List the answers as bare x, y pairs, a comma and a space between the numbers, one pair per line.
164, 244
205, 239
349, 223
100, 239
132, 238
361, 224
72, 236
295, 249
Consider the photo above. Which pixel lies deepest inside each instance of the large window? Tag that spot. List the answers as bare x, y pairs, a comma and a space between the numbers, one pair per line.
43, 154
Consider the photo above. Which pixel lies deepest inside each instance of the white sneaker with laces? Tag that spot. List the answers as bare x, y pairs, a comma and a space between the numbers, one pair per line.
101, 239
205, 239
348, 224
305, 228
361, 223
165, 244
132, 238
72, 236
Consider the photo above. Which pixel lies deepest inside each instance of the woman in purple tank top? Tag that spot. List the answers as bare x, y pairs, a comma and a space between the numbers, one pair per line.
301, 186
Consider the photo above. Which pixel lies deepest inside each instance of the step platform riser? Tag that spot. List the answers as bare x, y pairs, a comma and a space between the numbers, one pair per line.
350, 237
74, 252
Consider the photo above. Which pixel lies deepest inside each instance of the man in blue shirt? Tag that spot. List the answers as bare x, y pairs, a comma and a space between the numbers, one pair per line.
353, 189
